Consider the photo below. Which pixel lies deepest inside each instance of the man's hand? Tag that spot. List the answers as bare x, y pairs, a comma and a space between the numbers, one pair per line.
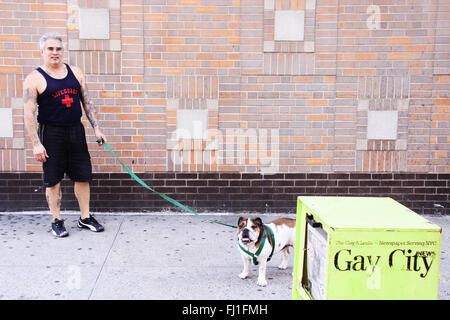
99, 135
39, 152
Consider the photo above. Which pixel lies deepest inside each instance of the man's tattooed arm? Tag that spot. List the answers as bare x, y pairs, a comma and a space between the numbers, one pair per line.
30, 108
88, 106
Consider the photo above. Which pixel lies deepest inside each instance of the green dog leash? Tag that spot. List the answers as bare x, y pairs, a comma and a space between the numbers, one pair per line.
135, 177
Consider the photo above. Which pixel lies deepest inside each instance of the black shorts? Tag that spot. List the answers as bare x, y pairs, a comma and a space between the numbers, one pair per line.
68, 153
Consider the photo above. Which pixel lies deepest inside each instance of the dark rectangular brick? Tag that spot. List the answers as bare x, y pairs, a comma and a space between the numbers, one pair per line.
413, 183
261, 183
164, 175
218, 183
177, 183
197, 183
185, 190
240, 183
373, 183
252, 176
277, 176
283, 183
232, 190
348, 183
305, 183
295, 176
230, 176
435, 183
339, 176
329, 183
205, 176
316, 176
360, 176
186, 176
382, 176
381, 190
119, 176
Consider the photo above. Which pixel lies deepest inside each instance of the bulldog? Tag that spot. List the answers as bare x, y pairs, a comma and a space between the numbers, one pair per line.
259, 242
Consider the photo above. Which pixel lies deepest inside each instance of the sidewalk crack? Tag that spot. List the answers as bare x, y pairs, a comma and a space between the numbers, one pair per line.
106, 259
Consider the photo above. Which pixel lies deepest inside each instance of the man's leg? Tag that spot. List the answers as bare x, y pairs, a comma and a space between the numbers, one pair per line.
86, 221
54, 196
83, 194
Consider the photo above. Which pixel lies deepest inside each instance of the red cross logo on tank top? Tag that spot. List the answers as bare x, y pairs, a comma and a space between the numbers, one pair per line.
67, 101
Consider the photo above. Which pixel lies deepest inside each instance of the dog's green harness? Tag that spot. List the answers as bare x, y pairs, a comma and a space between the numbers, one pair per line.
258, 252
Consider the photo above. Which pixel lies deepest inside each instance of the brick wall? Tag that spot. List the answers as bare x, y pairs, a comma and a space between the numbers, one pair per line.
363, 90
229, 191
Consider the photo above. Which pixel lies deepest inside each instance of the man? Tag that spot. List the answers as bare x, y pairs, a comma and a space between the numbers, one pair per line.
56, 91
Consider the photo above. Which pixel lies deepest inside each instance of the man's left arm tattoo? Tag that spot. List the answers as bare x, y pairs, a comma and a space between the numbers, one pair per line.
89, 107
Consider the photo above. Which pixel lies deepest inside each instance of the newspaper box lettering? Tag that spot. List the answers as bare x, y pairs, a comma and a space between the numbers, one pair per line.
399, 259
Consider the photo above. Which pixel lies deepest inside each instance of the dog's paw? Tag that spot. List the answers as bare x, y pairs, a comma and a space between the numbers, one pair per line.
243, 275
282, 266
262, 282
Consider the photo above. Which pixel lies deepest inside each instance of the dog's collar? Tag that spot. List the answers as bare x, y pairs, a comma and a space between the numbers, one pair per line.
258, 252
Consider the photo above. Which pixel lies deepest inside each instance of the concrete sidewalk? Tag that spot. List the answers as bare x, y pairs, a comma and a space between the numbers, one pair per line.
142, 256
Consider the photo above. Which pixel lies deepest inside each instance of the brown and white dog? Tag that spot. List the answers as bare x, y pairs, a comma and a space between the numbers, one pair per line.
250, 235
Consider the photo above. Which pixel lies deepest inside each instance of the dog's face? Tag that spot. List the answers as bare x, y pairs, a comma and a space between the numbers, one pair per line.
249, 230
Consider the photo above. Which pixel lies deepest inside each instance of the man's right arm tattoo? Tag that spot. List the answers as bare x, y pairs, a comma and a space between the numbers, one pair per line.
30, 108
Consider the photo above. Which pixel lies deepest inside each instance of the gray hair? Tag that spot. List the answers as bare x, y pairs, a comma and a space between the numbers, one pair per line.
50, 35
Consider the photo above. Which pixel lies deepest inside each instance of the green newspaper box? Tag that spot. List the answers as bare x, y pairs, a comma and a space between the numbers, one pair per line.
364, 248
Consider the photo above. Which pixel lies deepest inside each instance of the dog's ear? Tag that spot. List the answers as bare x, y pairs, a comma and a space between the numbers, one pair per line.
240, 219
258, 222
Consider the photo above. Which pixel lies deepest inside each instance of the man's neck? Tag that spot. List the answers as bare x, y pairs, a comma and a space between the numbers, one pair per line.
54, 68
56, 71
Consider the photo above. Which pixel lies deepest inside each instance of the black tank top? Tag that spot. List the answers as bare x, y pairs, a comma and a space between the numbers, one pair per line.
59, 104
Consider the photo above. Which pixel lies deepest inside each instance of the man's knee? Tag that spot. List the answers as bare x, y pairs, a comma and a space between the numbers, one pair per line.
54, 190
81, 185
